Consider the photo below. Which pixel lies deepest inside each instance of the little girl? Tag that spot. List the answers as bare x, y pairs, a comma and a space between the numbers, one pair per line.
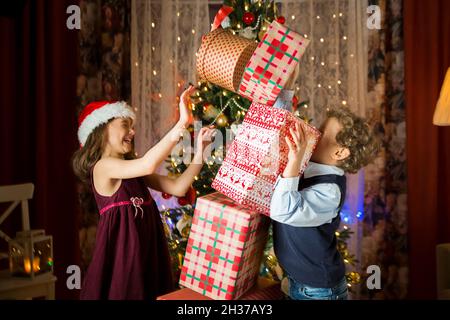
131, 258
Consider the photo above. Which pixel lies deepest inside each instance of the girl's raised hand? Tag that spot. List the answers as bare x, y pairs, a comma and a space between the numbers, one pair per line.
204, 140
185, 113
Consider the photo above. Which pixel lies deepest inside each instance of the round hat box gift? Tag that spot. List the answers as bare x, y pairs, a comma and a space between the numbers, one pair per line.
222, 58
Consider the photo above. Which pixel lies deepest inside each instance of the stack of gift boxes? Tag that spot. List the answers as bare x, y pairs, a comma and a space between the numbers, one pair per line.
230, 227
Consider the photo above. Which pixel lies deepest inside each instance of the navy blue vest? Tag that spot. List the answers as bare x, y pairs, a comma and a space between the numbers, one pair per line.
309, 255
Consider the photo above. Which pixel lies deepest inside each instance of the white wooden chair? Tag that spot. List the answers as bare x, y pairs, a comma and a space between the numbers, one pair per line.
14, 288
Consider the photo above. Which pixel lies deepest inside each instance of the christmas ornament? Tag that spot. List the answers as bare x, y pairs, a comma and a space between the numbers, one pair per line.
166, 195
184, 225
185, 231
191, 195
222, 120
264, 27
281, 20
353, 277
182, 201
248, 18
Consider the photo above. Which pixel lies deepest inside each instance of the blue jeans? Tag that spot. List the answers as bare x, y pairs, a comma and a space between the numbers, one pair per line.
298, 291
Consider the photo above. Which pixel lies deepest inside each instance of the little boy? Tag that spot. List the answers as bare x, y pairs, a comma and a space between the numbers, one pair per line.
305, 210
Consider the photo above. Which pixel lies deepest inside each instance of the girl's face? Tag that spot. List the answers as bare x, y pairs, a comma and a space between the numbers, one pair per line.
120, 135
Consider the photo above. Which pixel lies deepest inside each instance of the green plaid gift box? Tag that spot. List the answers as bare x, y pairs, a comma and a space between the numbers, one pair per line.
224, 249
272, 63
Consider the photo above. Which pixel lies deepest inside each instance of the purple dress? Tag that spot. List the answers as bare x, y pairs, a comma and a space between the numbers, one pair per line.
131, 257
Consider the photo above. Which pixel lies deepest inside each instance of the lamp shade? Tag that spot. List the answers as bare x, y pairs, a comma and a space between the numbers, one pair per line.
442, 113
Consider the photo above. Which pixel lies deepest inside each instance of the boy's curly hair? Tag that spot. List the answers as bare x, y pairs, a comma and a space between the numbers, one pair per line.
357, 136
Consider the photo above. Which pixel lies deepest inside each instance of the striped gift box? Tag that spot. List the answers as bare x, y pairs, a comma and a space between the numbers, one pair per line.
272, 64
258, 155
222, 58
224, 248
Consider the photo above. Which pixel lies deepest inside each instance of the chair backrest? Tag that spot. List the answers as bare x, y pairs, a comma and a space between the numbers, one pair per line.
18, 193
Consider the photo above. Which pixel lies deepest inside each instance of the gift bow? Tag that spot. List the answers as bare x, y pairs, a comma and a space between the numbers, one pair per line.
137, 202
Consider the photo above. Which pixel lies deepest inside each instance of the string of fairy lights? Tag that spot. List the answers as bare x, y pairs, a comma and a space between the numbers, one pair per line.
239, 26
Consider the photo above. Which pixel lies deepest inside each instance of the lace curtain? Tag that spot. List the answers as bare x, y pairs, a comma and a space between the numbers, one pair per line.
334, 67
164, 39
166, 34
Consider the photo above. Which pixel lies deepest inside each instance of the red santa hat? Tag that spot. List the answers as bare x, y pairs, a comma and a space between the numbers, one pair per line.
100, 112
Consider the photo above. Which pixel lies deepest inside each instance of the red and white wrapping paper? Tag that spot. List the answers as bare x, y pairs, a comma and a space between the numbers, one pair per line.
258, 155
272, 63
224, 248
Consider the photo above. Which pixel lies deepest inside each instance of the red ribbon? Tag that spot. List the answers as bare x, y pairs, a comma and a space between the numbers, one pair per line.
220, 16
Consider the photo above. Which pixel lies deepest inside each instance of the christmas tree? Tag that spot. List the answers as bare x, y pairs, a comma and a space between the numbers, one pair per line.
213, 105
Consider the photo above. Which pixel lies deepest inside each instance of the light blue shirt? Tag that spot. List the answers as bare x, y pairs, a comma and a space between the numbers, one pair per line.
310, 207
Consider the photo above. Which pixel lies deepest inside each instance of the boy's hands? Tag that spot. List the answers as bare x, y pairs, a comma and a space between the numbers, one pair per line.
185, 113
204, 140
296, 151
